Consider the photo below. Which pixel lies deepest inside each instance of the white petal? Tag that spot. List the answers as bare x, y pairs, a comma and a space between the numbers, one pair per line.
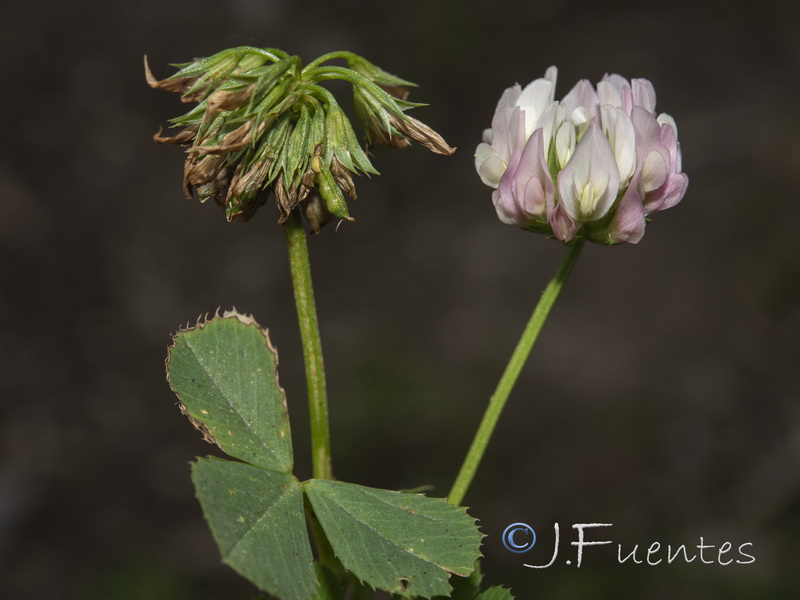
552, 116
552, 75
589, 183
608, 94
580, 116
618, 81
622, 136
644, 94
509, 97
583, 96
654, 173
489, 165
533, 100
506, 131
665, 118
565, 143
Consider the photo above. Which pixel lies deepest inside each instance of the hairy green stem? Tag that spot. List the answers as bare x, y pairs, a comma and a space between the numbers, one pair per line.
312, 346
509, 378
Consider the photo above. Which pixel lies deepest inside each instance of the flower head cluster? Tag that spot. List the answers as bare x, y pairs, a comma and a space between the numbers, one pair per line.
264, 123
593, 165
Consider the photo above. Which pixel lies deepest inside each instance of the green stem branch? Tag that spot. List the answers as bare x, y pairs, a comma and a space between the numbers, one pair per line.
509, 378
312, 346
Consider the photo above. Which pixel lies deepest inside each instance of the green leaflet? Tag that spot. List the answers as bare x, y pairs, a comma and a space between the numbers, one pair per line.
257, 519
403, 543
224, 373
496, 593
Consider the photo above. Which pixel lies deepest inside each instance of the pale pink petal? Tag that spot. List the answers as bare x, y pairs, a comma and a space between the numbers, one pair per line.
489, 165
619, 129
648, 130
509, 97
505, 196
669, 140
562, 225
507, 212
628, 222
533, 198
618, 81
589, 183
608, 94
665, 119
654, 173
534, 99
582, 95
676, 189
565, 143
507, 132
644, 94
552, 116
627, 100
668, 195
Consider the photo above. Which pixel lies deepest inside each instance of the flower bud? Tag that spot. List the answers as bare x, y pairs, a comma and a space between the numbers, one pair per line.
593, 165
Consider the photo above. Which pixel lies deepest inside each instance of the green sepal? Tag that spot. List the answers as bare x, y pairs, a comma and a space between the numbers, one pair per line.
316, 137
343, 144
370, 111
267, 78
268, 109
375, 73
275, 144
195, 115
296, 155
332, 194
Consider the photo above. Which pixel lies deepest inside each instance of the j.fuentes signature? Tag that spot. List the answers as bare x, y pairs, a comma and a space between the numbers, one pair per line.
521, 537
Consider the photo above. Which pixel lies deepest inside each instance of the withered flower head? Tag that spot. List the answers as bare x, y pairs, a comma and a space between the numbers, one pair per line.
263, 123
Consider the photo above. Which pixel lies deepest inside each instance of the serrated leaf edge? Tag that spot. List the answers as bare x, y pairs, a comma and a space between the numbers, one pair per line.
202, 321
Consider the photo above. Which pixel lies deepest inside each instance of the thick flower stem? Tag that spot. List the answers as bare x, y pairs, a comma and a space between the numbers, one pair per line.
509, 378
312, 347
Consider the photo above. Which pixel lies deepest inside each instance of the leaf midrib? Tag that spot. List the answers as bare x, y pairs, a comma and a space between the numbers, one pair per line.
235, 410
383, 536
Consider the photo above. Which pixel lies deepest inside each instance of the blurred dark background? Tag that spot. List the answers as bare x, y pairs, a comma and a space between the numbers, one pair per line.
662, 396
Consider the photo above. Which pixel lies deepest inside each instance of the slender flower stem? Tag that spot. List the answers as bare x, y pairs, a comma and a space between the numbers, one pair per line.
312, 347
329, 56
509, 378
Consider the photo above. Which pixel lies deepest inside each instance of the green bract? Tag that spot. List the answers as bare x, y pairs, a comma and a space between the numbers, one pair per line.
264, 123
